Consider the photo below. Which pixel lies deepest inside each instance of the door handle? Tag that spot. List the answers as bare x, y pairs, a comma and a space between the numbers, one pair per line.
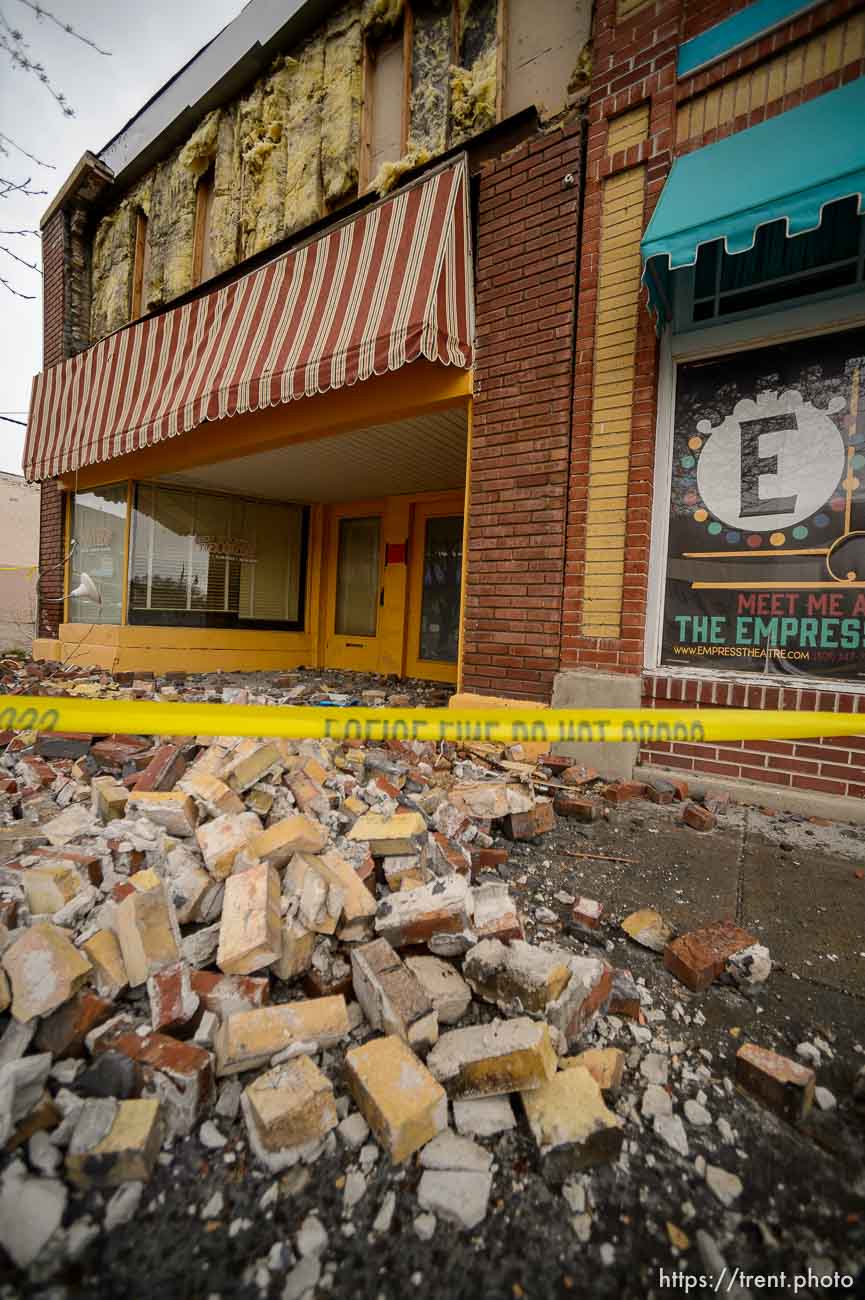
381, 597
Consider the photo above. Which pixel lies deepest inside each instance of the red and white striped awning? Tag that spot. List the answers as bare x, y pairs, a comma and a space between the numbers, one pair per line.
379, 291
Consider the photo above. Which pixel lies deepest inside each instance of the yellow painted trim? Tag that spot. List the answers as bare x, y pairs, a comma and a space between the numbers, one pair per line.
414, 390
464, 580
451, 503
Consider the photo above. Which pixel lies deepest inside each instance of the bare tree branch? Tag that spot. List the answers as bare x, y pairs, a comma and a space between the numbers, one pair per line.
7, 139
19, 232
31, 266
8, 186
12, 41
11, 289
41, 12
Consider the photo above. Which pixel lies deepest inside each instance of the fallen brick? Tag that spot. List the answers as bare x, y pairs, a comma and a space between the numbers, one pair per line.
298, 945
698, 958
503, 1056
416, 915
582, 810
173, 1004
248, 1039
44, 971
250, 932
660, 791
494, 913
166, 767
625, 996
649, 929
783, 1085
64, 1031
223, 838
566, 989
698, 818
225, 994
588, 913
251, 761
396, 1094
114, 1142
404, 872
316, 894
623, 791
393, 836
109, 972
443, 985
213, 794
108, 798
280, 842
606, 1065
391, 997
527, 825
50, 887
181, 1073
173, 810
146, 927
291, 1106
488, 859
571, 1125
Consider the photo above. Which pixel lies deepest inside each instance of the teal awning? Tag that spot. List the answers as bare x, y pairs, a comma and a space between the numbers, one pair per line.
787, 168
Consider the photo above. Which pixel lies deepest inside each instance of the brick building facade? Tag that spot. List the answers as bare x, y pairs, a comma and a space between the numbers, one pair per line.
573, 479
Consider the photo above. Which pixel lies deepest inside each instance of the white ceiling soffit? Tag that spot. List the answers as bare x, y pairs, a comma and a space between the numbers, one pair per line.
426, 454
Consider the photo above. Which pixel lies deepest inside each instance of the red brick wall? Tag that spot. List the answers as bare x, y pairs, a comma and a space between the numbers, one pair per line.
526, 281
634, 64
827, 765
53, 351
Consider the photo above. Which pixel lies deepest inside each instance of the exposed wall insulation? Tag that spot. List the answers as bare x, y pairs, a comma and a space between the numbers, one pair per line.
340, 123
473, 82
430, 77
288, 151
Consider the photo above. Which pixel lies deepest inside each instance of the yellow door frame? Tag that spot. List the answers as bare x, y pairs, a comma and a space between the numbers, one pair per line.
437, 506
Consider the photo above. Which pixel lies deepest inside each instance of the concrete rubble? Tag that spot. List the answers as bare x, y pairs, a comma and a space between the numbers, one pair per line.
295, 953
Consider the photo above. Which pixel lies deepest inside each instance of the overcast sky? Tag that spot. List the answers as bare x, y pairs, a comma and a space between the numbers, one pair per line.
148, 42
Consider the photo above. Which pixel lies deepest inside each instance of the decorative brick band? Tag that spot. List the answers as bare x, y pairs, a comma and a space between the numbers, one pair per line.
832, 765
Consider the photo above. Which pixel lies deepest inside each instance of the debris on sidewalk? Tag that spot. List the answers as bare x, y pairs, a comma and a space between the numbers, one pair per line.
282, 954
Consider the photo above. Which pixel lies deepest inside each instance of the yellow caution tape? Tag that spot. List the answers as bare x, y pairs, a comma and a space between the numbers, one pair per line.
498, 726
18, 568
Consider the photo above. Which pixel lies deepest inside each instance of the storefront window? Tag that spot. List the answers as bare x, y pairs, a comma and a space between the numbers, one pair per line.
200, 559
98, 527
778, 269
765, 567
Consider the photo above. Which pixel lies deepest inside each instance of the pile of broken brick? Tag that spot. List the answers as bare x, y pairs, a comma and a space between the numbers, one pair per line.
309, 939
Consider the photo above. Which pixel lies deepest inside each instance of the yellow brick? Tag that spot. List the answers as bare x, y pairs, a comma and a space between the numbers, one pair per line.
291, 1105
605, 1064
126, 1154
248, 1039
397, 1095
486, 1060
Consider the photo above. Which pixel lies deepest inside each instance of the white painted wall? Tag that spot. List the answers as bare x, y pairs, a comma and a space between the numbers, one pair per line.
19, 544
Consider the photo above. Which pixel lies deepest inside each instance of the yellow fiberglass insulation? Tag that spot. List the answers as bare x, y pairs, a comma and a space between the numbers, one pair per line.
473, 95
430, 77
379, 16
390, 173
225, 209
340, 122
198, 152
262, 154
111, 262
302, 197
170, 233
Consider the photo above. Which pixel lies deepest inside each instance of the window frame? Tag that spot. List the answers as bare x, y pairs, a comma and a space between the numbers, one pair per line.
371, 47
217, 619
139, 264
831, 315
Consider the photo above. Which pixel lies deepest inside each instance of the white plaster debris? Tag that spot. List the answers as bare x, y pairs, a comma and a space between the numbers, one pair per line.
484, 1116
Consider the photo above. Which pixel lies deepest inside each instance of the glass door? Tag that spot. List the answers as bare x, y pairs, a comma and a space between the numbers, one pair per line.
355, 587
436, 562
